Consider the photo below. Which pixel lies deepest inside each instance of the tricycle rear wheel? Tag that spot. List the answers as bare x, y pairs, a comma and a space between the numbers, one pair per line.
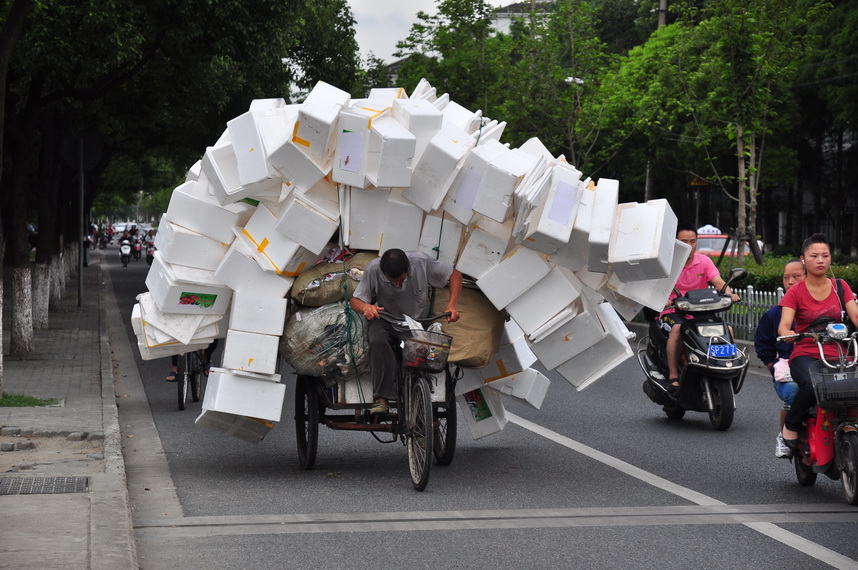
849, 473
419, 432
306, 420
445, 433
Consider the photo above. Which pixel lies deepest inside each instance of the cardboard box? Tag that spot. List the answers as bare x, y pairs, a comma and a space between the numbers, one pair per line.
258, 314
243, 394
251, 352
502, 176
551, 224
590, 365
251, 430
515, 274
390, 160
240, 271
485, 244
180, 289
437, 167
403, 224
421, 118
550, 295
459, 201
483, 412
529, 385
367, 213
353, 144
187, 247
642, 238
317, 122
193, 208
310, 218
601, 223
441, 233
221, 167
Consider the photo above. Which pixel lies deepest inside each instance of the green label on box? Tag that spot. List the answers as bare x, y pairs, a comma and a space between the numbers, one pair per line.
478, 405
204, 300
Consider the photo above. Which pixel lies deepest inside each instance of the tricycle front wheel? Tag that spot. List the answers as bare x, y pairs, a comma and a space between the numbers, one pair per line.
306, 420
419, 432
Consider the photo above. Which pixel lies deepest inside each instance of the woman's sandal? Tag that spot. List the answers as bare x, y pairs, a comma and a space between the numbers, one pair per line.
172, 376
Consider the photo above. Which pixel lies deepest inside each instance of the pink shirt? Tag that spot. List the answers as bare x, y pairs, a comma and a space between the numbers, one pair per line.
807, 310
697, 275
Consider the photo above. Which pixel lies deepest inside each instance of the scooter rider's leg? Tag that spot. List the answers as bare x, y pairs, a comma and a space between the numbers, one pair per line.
673, 342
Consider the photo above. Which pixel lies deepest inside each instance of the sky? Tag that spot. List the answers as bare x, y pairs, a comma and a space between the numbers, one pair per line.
382, 23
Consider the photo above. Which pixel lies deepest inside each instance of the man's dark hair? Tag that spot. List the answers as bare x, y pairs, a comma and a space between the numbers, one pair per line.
685, 227
394, 263
815, 238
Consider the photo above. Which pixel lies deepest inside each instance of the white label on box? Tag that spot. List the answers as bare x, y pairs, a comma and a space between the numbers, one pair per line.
564, 201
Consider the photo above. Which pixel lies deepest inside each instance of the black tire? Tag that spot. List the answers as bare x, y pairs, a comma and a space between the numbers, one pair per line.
124, 262
149, 259
721, 417
803, 472
182, 382
195, 379
419, 432
849, 473
674, 411
445, 434
306, 420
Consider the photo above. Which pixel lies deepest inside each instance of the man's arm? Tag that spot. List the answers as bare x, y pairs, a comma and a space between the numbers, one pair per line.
455, 291
366, 309
718, 282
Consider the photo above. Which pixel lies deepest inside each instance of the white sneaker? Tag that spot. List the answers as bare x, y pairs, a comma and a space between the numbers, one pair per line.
781, 449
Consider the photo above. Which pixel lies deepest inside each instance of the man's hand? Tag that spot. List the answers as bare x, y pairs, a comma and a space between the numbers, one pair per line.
454, 315
371, 311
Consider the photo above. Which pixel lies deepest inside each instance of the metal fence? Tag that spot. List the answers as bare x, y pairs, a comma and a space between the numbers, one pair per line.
743, 317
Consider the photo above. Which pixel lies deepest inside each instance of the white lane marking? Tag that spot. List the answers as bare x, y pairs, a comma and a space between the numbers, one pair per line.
772, 531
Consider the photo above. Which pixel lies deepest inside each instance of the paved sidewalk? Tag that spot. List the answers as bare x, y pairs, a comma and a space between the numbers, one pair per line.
63, 494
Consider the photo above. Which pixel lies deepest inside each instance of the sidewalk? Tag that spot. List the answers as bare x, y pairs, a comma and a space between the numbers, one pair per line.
63, 494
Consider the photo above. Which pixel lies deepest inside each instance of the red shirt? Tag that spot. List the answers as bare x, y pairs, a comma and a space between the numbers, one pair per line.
807, 310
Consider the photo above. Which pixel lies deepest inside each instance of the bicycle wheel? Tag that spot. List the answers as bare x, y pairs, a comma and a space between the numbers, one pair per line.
445, 434
419, 433
306, 420
182, 381
196, 379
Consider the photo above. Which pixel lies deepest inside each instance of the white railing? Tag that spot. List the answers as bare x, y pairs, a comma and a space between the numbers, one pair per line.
743, 317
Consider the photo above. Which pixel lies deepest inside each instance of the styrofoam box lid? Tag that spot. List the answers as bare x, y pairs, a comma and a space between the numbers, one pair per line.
417, 111
516, 273
604, 210
247, 374
185, 274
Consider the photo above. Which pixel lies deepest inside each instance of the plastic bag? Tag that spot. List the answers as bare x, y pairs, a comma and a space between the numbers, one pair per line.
781, 370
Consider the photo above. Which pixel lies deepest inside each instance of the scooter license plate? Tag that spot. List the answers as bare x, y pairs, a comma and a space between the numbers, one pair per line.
722, 350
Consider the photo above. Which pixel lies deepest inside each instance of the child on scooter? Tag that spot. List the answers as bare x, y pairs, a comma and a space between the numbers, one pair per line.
775, 355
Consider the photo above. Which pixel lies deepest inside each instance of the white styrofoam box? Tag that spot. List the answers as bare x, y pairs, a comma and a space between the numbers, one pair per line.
193, 208
511, 358
485, 244
317, 121
187, 247
298, 168
194, 171
251, 430
503, 174
243, 394
384, 96
602, 222
461, 118
438, 166
271, 249
157, 352
403, 224
221, 167
421, 118
529, 197
576, 333
574, 255
590, 365
310, 218
267, 103
493, 130
258, 314
652, 292
550, 295
136, 320
181, 327
551, 223
529, 385
352, 144
350, 392
390, 160
442, 233
270, 253
520, 270
642, 239
367, 212
240, 271
246, 136
534, 147
252, 352
470, 380
483, 411
459, 201
181, 289
424, 90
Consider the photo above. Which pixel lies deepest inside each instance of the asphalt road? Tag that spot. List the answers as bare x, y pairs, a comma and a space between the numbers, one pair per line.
595, 479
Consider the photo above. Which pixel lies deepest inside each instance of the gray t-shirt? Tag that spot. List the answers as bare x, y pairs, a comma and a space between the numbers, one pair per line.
412, 298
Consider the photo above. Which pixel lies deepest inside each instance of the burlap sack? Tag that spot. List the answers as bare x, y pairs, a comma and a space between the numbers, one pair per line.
312, 289
477, 333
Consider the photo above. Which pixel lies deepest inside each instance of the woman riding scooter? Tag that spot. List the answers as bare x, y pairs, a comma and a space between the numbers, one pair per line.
804, 304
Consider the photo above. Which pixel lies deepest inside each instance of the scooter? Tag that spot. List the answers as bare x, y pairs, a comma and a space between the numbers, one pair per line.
713, 367
137, 249
828, 442
150, 253
125, 252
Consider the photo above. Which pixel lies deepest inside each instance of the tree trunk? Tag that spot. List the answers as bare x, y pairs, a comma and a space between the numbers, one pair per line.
2, 252
21, 341
41, 294
742, 222
58, 282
